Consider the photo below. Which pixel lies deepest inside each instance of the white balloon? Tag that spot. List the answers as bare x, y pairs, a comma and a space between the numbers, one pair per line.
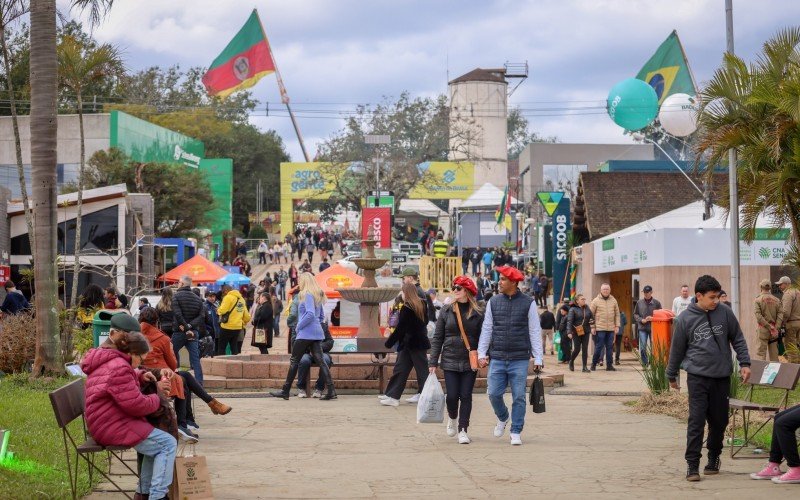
678, 114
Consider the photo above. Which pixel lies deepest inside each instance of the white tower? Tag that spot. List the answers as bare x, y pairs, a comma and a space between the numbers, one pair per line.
478, 124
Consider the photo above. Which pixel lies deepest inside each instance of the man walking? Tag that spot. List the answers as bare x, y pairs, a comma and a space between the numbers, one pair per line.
702, 340
768, 312
14, 302
790, 303
189, 325
543, 284
605, 311
643, 315
283, 277
509, 337
262, 252
682, 301
547, 322
440, 247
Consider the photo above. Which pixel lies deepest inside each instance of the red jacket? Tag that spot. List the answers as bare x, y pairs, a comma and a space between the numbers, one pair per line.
115, 405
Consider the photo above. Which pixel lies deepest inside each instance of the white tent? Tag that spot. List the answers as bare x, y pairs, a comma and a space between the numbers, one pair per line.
424, 208
487, 196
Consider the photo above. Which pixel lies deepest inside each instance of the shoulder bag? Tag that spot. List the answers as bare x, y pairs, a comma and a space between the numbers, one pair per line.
225, 317
473, 354
579, 328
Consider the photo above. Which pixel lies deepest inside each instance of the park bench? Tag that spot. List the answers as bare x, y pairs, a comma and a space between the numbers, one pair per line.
68, 405
785, 382
379, 361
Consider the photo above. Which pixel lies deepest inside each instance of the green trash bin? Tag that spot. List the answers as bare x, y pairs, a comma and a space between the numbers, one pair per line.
101, 324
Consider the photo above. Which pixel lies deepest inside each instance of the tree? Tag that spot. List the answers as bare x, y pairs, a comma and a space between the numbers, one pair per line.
518, 134
10, 11
420, 130
753, 109
79, 66
181, 195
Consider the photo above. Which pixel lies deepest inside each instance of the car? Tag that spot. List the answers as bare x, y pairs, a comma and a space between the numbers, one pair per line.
353, 249
348, 262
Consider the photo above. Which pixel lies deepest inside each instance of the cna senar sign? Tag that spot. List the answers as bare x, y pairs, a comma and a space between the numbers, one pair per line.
379, 219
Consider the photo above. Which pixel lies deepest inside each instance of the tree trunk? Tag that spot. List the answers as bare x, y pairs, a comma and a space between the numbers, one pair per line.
44, 128
77, 266
26, 203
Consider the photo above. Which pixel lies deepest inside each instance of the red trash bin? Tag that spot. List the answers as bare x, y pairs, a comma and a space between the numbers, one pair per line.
662, 333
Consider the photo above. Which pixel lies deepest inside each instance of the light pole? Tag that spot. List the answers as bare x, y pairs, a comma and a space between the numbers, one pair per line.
377, 139
732, 184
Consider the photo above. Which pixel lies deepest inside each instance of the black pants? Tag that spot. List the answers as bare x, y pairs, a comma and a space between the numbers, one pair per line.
310, 257
227, 337
183, 406
618, 346
458, 386
406, 360
708, 402
262, 258
299, 347
580, 346
784, 439
566, 346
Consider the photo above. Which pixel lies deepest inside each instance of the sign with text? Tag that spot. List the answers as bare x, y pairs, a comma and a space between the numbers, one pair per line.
379, 219
561, 231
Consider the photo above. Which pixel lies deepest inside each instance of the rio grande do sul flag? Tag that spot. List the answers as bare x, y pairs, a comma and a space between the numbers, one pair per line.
242, 63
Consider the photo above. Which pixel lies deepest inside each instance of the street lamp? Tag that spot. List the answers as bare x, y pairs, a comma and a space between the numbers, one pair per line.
377, 139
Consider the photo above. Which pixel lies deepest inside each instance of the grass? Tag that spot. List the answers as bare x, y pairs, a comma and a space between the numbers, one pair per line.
39, 467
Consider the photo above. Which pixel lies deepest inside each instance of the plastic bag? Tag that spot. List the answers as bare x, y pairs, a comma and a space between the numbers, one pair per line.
430, 408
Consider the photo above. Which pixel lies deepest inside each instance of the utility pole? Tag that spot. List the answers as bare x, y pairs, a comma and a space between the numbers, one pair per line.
732, 184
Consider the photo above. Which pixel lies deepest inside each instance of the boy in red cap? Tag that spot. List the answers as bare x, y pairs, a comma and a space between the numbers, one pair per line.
510, 336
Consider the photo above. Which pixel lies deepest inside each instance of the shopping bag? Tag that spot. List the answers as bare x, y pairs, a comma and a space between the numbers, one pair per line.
537, 395
192, 481
430, 408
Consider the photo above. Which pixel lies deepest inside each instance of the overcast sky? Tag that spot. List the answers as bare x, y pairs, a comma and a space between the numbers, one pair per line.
334, 54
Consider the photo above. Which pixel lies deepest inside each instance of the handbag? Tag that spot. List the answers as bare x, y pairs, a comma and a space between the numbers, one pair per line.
537, 395
225, 317
473, 354
579, 330
260, 336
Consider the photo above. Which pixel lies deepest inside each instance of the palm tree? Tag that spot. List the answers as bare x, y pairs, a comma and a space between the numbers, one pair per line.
755, 110
10, 11
79, 66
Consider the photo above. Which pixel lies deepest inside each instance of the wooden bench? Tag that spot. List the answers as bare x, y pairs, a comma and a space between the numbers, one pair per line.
68, 405
785, 381
380, 360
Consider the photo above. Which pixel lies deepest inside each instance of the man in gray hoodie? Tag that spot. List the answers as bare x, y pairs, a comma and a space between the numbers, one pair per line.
701, 343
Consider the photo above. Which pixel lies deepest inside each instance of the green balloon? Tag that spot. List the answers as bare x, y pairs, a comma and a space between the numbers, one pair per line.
632, 104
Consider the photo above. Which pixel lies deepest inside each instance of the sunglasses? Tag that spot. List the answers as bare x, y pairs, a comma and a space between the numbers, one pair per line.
457, 288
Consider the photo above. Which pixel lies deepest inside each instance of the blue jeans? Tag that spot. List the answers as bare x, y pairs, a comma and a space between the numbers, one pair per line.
604, 341
179, 341
276, 325
644, 338
158, 461
501, 375
305, 369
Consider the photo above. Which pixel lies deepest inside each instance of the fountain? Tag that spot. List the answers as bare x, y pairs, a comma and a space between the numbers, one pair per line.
369, 297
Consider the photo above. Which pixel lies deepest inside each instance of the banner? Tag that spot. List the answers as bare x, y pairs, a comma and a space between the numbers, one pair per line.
561, 232
380, 220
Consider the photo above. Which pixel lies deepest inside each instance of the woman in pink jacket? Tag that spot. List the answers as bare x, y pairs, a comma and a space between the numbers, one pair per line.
116, 408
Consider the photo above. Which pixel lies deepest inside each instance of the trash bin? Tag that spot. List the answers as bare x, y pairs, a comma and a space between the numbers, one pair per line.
101, 324
662, 333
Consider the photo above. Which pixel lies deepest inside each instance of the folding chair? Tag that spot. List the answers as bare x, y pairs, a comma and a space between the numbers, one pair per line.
785, 381
68, 404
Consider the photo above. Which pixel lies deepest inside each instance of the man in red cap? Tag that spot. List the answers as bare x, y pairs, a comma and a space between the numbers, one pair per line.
510, 336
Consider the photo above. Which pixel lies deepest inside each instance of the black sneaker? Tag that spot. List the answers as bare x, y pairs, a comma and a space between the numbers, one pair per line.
610, 368
693, 472
280, 394
712, 467
594, 367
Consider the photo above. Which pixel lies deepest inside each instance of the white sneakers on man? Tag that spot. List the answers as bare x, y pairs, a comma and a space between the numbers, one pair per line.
516, 440
500, 428
463, 438
389, 402
301, 393
413, 399
452, 427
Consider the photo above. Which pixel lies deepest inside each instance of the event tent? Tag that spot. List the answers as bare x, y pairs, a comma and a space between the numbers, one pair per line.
487, 196
335, 277
199, 268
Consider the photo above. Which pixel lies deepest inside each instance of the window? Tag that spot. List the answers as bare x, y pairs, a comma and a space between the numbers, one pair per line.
99, 232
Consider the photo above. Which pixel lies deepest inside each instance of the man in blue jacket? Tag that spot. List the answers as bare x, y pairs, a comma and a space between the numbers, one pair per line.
702, 338
14, 301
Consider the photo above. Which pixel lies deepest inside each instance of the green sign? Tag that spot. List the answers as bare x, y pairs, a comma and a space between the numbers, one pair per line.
146, 142
550, 200
608, 244
383, 201
768, 234
219, 172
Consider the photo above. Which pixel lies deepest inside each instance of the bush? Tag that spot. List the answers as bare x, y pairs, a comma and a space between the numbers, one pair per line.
654, 373
257, 233
17, 342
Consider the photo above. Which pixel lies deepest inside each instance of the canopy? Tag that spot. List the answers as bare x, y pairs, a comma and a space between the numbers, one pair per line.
487, 196
199, 268
234, 279
335, 277
425, 208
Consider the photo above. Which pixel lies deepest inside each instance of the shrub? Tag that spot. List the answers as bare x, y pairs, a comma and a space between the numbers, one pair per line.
257, 232
654, 373
17, 342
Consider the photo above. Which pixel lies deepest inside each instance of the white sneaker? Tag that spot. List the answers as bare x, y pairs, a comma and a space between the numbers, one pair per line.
516, 440
389, 402
500, 428
382, 396
413, 399
463, 438
301, 393
452, 427
316, 394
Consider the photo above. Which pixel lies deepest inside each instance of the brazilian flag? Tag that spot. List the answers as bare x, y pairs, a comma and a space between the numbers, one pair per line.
668, 70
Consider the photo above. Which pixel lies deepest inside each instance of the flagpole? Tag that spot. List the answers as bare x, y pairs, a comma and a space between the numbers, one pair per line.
686, 60
282, 89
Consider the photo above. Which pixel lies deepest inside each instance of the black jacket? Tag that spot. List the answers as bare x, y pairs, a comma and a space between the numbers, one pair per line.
426, 299
410, 332
262, 317
189, 311
447, 342
547, 320
579, 316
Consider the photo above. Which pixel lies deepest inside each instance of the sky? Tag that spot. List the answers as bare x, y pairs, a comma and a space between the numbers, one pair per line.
336, 54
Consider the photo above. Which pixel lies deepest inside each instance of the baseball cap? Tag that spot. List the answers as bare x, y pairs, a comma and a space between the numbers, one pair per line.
784, 280
125, 323
764, 284
647, 288
410, 271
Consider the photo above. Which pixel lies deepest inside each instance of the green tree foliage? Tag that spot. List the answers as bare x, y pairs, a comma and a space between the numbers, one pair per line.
519, 135
753, 109
181, 195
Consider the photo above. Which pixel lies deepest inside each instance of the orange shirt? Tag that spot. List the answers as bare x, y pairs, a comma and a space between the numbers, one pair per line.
161, 355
